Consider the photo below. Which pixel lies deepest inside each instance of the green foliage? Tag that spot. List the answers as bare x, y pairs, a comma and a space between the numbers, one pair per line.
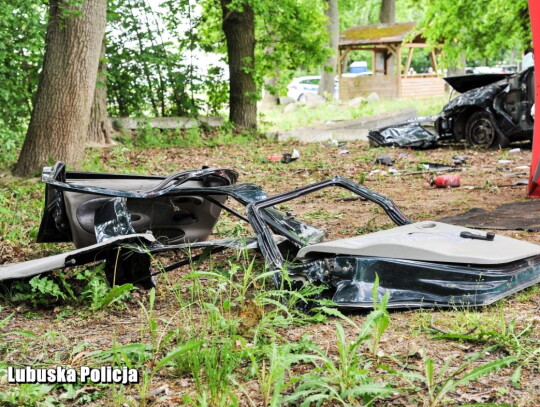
290, 36
87, 287
28, 395
475, 29
503, 336
379, 316
22, 33
152, 56
342, 380
440, 383
212, 366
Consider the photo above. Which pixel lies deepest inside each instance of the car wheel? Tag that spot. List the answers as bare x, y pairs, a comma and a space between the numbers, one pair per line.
302, 98
481, 132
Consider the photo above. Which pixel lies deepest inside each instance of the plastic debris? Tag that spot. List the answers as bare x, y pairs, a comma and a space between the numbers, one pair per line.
437, 166
384, 159
285, 158
274, 158
460, 159
504, 162
514, 151
344, 152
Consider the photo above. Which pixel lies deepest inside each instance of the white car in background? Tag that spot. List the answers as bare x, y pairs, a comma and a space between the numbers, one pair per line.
299, 87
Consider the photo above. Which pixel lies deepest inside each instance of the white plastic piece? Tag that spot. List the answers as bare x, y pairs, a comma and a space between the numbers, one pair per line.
429, 241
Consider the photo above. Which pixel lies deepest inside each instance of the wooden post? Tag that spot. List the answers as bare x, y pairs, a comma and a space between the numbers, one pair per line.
409, 59
342, 59
398, 66
434, 62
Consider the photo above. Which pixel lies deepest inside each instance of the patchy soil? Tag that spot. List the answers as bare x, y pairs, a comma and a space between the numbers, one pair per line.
485, 183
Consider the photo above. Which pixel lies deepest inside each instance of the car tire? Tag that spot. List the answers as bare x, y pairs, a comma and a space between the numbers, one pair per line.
302, 98
480, 132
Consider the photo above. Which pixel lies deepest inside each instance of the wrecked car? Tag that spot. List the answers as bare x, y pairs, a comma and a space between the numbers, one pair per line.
128, 221
491, 111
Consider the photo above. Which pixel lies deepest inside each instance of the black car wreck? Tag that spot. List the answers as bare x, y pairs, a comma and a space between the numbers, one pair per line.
492, 111
128, 221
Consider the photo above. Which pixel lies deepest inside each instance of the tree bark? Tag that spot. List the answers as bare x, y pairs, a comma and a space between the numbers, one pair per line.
270, 98
239, 28
59, 121
99, 128
326, 85
387, 13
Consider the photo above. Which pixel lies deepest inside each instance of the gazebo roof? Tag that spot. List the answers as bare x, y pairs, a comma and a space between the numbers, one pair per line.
377, 34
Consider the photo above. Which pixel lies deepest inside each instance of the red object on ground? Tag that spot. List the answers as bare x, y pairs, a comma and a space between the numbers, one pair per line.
534, 178
445, 181
274, 158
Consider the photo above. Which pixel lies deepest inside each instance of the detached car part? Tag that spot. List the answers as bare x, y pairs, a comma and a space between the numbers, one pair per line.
425, 264
412, 133
492, 111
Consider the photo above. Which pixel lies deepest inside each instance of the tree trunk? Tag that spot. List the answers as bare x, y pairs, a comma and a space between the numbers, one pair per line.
326, 85
239, 29
270, 98
387, 13
59, 121
99, 128
457, 70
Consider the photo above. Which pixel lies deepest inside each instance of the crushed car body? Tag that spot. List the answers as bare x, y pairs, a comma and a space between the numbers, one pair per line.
491, 111
128, 221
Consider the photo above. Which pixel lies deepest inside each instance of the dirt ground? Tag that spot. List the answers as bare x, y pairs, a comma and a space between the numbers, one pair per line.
485, 183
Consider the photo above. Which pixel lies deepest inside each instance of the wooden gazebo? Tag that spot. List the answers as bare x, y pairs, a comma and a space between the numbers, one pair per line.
390, 79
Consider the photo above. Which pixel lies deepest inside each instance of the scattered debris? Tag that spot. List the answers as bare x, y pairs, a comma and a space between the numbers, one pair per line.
274, 158
438, 167
520, 182
514, 174
488, 105
344, 152
411, 133
504, 162
285, 158
460, 159
333, 143
514, 151
445, 181
511, 216
384, 159
440, 270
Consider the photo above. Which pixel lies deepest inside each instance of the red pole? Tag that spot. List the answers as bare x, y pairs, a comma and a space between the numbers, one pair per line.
534, 177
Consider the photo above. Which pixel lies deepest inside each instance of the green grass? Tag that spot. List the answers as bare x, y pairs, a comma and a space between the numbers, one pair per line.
221, 334
276, 119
